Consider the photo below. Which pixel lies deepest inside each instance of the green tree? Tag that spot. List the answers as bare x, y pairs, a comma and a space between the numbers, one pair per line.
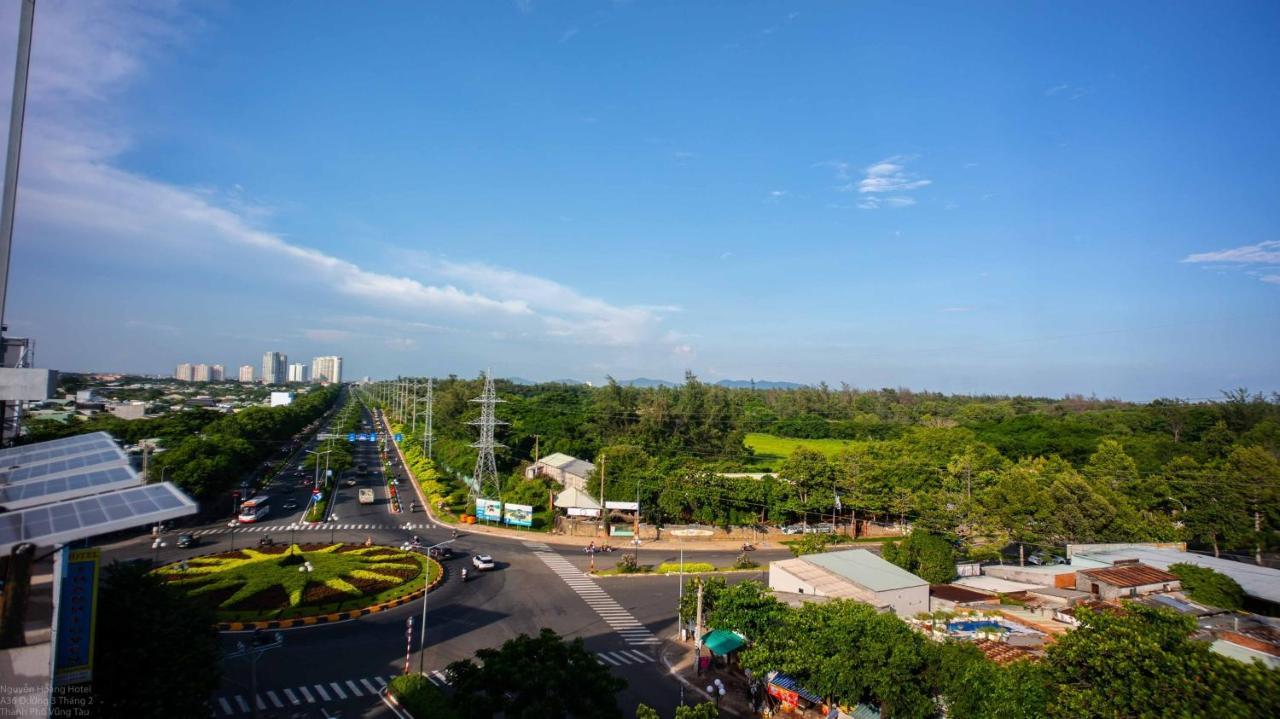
705, 710
848, 652
1255, 473
644, 711
974, 687
157, 651
1142, 662
747, 608
535, 678
928, 556
1209, 587
812, 478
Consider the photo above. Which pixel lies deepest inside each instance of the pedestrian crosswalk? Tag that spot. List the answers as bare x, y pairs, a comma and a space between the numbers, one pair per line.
618, 618
623, 657
321, 527
227, 704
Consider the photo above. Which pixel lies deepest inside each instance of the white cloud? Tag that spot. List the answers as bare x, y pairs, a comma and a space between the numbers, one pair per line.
73, 185
1251, 259
875, 202
567, 35
890, 175
1266, 252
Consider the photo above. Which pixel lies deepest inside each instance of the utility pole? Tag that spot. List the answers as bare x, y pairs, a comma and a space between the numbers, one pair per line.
697, 624
428, 439
537, 452
17, 114
603, 529
413, 409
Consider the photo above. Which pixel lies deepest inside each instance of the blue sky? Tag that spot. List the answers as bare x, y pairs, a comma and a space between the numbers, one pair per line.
1012, 198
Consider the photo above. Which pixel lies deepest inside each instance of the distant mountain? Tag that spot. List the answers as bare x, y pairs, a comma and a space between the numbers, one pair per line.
758, 384
646, 382
523, 381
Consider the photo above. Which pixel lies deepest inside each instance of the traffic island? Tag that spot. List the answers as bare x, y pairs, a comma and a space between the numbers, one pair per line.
278, 587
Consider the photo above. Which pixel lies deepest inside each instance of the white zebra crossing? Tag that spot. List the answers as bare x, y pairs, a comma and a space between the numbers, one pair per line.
233, 704
321, 527
613, 614
623, 657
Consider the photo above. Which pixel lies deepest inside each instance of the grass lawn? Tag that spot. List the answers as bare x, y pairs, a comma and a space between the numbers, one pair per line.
771, 451
273, 582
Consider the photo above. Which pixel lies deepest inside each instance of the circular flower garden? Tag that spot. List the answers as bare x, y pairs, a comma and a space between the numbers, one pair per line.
288, 582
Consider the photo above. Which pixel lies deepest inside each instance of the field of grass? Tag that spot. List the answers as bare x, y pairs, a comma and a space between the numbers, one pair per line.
771, 451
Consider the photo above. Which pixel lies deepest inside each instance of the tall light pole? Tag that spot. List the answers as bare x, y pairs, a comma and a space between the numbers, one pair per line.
426, 589
333, 526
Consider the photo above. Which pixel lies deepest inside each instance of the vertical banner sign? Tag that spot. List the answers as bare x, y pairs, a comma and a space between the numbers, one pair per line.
489, 510
77, 608
408, 643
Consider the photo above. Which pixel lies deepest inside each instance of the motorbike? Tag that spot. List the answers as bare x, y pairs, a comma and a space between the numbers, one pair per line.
464, 575
748, 547
266, 542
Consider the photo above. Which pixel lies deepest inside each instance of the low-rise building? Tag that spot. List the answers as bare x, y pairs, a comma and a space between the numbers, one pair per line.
568, 471
1125, 580
281, 399
852, 574
128, 410
949, 598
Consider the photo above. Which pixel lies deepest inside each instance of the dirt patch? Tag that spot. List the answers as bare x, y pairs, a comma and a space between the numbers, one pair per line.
409, 572
225, 555
273, 549
370, 586
274, 597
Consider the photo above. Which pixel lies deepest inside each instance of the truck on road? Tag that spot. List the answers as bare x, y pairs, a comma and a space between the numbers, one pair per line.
366, 496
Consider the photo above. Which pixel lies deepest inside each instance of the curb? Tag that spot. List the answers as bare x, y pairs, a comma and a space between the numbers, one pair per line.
334, 617
393, 704
634, 575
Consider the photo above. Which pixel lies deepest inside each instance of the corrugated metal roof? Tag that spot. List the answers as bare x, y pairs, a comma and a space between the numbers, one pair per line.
557, 460
578, 468
1130, 575
952, 593
994, 585
866, 569
787, 682
825, 582
1260, 582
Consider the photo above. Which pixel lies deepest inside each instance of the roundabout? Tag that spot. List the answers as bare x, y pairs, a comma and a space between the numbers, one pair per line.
298, 585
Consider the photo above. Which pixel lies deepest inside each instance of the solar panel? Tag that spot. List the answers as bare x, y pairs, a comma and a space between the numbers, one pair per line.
43, 491
105, 458
56, 448
50, 524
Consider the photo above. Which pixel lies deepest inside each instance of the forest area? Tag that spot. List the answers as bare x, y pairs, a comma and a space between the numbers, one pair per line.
978, 470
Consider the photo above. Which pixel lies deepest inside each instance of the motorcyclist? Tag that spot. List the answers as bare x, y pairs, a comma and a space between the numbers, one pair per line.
464, 574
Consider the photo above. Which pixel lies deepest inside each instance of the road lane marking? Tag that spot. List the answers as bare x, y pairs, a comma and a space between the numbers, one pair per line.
292, 699
324, 696
307, 695
638, 654
244, 705
607, 658
381, 682
354, 689
226, 706
337, 690
275, 700
372, 689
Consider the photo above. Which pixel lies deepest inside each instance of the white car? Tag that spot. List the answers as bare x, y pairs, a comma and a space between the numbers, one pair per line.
482, 562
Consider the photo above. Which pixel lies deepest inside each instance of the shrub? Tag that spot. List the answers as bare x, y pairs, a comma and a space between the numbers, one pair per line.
628, 564
689, 567
1206, 586
421, 698
744, 561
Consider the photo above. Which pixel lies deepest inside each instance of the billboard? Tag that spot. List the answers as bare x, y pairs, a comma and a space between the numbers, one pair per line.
625, 506
520, 515
489, 510
77, 607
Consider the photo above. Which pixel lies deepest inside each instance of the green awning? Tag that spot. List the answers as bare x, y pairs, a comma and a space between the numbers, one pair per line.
723, 641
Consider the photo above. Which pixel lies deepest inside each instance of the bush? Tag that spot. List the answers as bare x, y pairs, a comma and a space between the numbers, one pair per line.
810, 544
421, 698
744, 561
929, 556
1206, 586
689, 567
628, 564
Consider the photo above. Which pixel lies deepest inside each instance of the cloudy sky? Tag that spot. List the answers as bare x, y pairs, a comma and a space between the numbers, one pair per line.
1029, 197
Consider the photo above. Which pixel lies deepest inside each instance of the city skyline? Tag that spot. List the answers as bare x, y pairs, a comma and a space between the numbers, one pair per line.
989, 212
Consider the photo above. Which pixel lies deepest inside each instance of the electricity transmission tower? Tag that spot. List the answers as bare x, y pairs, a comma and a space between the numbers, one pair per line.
486, 474
428, 439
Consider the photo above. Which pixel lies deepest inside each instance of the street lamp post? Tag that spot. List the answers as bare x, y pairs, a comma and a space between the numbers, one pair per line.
293, 530
333, 526
232, 526
426, 589
254, 652
156, 545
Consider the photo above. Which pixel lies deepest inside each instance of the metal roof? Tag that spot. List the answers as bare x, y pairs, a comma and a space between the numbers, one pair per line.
1260, 582
557, 460
952, 593
994, 585
866, 569
44, 491
1130, 575
825, 582
787, 682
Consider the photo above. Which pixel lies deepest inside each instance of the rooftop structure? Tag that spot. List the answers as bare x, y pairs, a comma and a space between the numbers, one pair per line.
568, 471
1262, 583
852, 574
1129, 575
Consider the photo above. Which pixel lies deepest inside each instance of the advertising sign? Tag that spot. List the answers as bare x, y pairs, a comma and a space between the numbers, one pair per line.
351, 436
519, 515
399, 437
362, 437
626, 506
489, 510
583, 512
77, 607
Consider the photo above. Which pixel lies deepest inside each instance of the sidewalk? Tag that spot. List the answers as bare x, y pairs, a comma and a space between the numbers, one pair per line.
679, 659
702, 545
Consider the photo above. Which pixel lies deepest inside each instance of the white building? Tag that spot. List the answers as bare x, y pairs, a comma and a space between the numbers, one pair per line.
297, 372
852, 574
1260, 583
184, 372
568, 471
217, 373
326, 370
200, 373
281, 399
274, 365
246, 373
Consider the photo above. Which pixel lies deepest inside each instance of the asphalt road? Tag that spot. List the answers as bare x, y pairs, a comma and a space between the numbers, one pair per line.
335, 670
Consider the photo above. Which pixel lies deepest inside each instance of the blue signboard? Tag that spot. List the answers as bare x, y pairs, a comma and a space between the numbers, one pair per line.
351, 436
362, 437
399, 437
520, 515
77, 609
374, 436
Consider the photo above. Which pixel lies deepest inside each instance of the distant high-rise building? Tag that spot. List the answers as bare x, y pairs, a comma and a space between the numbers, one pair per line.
326, 370
185, 372
273, 367
246, 373
217, 373
297, 372
200, 373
